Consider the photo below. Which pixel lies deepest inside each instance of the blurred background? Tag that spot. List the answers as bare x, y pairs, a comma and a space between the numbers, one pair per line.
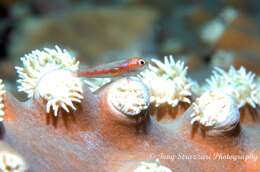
202, 33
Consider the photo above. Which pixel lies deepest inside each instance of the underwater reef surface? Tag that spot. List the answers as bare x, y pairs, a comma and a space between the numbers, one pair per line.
167, 118
63, 126
90, 140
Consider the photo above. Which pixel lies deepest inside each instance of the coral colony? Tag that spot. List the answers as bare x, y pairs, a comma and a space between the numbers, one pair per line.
51, 77
166, 81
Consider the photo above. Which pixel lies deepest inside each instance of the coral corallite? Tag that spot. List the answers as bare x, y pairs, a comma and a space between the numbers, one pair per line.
51, 75
129, 96
167, 82
237, 83
216, 110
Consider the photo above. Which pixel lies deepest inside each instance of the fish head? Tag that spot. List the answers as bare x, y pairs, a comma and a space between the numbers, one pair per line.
137, 63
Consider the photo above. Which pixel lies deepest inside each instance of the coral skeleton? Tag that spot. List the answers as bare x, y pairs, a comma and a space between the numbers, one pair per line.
216, 110
237, 83
51, 74
152, 166
167, 82
2, 92
129, 97
10, 162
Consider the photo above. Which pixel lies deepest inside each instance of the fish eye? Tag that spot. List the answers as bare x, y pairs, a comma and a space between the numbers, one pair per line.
141, 62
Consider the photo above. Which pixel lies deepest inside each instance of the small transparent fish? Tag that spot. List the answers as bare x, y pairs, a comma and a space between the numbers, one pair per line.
120, 68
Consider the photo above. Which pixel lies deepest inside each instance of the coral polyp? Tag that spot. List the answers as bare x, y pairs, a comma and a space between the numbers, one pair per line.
10, 162
237, 83
152, 166
129, 96
51, 75
215, 110
167, 82
2, 92
64, 89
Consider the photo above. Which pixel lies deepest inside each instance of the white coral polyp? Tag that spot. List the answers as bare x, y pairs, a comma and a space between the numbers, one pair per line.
129, 96
51, 75
146, 166
237, 83
2, 92
10, 162
216, 110
167, 82
60, 88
